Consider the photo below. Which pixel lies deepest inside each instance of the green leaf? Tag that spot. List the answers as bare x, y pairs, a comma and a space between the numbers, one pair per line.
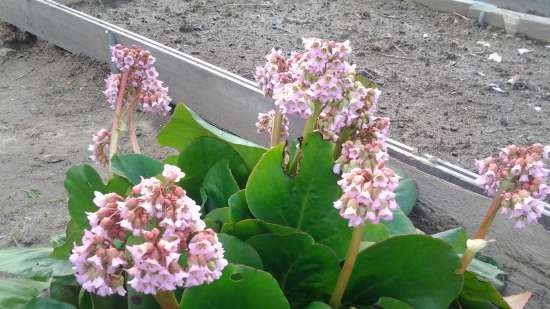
239, 252
219, 185
46, 303
375, 232
245, 229
118, 185
84, 300
318, 305
240, 287
487, 271
238, 207
17, 291
367, 83
477, 290
138, 300
304, 202
305, 271
456, 237
202, 154
185, 126
405, 195
416, 269
73, 234
217, 218
65, 289
81, 182
391, 303
109, 302
135, 166
34, 263
400, 225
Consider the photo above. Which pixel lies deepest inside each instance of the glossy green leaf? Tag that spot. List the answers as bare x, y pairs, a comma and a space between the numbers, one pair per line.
46, 303
245, 229
65, 289
138, 300
185, 126
416, 269
219, 217
84, 300
108, 302
318, 305
81, 182
18, 291
400, 225
238, 207
405, 195
135, 166
219, 185
201, 155
239, 252
119, 185
480, 291
34, 263
304, 202
487, 271
375, 232
456, 237
73, 234
391, 303
305, 271
240, 287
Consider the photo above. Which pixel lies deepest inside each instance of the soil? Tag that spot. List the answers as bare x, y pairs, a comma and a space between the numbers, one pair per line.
50, 106
434, 76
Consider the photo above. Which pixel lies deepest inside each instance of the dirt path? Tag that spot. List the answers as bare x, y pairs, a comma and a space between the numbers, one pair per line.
434, 76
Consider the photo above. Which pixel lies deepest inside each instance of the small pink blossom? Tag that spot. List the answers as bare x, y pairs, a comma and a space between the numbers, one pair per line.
265, 124
172, 173
205, 262
100, 147
105, 221
112, 83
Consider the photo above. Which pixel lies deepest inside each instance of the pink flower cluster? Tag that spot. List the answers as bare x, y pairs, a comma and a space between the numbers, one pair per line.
265, 124
519, 175
142, 78
368, 185
167, 221
320, 75
100, 147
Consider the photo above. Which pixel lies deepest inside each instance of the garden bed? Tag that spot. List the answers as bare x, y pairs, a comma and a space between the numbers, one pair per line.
526, 275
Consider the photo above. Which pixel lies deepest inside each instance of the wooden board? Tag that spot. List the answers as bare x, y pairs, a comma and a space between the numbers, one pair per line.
232, 103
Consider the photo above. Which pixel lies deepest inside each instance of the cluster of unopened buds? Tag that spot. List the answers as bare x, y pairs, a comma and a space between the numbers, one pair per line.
318, 80
166, 226
368, 185
519, 177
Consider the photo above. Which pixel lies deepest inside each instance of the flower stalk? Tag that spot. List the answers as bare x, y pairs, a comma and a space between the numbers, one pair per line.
347, 269
276, 129
117, 116
167, 300
132, 125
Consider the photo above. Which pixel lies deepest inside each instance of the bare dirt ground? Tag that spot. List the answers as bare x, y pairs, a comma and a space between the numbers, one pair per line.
50, 106
434, 76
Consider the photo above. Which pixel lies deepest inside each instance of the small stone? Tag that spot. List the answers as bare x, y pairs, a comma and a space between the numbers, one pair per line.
4, 52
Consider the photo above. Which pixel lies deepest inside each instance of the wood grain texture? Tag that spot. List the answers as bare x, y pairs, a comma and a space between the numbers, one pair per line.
524, 255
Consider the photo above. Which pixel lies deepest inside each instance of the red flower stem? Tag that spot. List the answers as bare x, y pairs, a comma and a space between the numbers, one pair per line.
347, 269
117, 115
167, 300
132, 124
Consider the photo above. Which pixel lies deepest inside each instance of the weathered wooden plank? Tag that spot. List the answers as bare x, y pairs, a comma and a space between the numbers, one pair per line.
523, 253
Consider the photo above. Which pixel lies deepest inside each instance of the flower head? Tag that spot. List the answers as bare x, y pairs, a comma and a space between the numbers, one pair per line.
205, 262
100, 147
265, 124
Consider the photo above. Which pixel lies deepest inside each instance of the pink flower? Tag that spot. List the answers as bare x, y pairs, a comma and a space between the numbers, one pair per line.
172, 173
100, 147
523, 171
155, 265
265, 124
112, 82
105, 221
205, 262
98, 265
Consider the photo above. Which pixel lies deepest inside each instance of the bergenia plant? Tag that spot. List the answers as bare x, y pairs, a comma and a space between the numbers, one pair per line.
316, 221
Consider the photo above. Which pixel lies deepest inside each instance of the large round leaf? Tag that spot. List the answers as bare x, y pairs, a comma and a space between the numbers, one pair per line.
416, 269
73, 234
17, 291
318, 305
219, 185
479, 291
199, 156
239, 252
81, 182
46, 303
456, 237
248, 228
135, 166
185, 126
304, 202
238, 207
306, 271
405, 195
34, 263
240, 287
